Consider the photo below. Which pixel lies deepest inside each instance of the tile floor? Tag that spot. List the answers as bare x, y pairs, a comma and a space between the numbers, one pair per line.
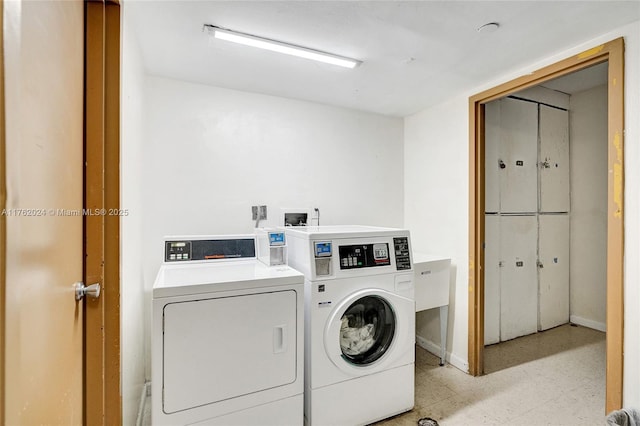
552, 378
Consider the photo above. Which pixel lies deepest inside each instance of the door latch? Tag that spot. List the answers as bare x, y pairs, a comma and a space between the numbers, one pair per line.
93, 290
545, 164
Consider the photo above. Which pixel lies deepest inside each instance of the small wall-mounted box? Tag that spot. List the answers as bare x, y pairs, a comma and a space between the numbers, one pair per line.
295, 216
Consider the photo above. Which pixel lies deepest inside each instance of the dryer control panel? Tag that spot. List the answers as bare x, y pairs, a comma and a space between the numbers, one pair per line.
185, 250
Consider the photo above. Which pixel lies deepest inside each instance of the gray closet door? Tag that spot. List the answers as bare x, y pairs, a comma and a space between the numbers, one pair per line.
492, 156
554, 160
519, 153
553, 271
519, 277
492, 280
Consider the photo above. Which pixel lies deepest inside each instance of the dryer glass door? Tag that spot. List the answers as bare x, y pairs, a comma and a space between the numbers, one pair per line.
367, 329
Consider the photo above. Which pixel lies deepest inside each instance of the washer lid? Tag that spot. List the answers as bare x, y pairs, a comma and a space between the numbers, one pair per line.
185, 279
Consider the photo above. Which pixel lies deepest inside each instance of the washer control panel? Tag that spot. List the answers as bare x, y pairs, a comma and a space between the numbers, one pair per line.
364, 255
403, 259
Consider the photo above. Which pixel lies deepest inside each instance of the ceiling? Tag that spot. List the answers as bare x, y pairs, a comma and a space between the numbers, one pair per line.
581, 80
415, 53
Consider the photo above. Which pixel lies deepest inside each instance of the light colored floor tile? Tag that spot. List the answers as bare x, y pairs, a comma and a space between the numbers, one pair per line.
527, 394
459, 410
406, 419
552, 378
583, 407
431, 390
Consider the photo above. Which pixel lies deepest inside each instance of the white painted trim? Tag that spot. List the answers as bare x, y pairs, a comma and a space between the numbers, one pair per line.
600, 326
434, 349
146, 391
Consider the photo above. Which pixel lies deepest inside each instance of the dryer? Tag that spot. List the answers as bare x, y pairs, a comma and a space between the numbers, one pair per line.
227, 343
359, 322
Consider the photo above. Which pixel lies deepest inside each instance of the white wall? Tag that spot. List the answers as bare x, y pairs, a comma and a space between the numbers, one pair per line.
588, 264
437, 195
210, 153
436, 212
131, 289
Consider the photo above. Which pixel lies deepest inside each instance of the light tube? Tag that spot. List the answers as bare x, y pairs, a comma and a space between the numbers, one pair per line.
280, 47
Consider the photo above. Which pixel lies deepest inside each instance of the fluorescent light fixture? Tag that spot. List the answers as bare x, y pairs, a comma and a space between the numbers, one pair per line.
280, 47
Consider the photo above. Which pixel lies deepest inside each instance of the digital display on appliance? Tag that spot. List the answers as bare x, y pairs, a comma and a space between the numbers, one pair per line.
322, 249
364, 255
380, 251
276, 238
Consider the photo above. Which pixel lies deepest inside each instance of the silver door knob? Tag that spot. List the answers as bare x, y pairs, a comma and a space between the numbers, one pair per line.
92, 290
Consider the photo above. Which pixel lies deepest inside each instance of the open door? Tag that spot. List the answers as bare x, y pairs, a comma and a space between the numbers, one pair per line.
43, 80
613, 53
47, 226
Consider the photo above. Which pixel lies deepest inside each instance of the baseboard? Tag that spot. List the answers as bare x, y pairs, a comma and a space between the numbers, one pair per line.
146, 391
431, 347
600, 326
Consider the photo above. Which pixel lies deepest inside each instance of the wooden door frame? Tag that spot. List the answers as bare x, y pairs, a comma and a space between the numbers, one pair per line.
102, 399
3, 218
613, 53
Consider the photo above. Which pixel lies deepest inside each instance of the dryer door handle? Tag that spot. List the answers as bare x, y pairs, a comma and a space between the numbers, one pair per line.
279, 339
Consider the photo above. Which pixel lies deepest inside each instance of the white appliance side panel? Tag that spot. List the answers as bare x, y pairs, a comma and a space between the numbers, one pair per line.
491, 279
224, 348
519, 152
492, 157
554, 160
519, 277
554, 270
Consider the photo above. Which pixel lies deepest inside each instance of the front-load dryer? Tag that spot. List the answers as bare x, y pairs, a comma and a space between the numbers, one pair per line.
359, 322
227, 343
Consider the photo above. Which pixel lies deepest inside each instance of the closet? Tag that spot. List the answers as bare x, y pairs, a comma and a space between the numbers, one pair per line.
527, 204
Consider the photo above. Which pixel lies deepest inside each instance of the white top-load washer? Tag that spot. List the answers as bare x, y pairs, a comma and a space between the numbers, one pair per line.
359, 322
227, 344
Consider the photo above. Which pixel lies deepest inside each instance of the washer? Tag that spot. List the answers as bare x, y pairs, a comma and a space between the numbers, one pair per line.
359, 322
227, 344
